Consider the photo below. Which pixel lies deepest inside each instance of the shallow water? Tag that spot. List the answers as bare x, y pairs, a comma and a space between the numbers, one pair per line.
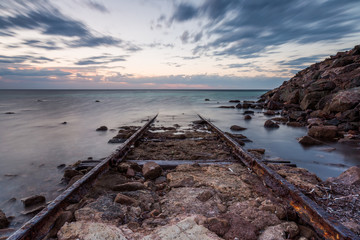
33, 141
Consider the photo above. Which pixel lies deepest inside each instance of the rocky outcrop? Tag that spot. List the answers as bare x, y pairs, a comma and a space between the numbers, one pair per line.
328, 90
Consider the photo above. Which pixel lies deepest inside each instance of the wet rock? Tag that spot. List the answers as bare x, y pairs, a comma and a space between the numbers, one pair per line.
227, 107
205, 195
258, 150
130, 186
4, 222
84, 230
185, 229
206, 99
307, 140
315, 122
239, 106
70, 173
33, 210
217, 225
323, 132
9, 113
97, 100
33, 200
123, 199
151, 170
350, 177
269, 113
280, 119
287, 230
73, 180
64, 123
237, 128
270, 124
248, 112
247, 117
295, 124
102, 128
199, 122
273, 105
311, 99
234, 101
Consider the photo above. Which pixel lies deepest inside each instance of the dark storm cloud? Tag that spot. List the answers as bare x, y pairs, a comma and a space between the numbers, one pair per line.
32, 72
247, 29
302, 60
97, 6
184, 12
42, 16
100, 60
23, 59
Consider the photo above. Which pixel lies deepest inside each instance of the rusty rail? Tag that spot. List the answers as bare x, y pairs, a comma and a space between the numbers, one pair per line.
324, 224
40, 225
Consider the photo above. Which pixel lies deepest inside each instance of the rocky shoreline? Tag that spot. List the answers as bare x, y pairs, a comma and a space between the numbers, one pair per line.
325, 97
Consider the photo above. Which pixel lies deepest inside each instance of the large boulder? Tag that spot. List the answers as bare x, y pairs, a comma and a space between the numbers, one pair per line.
311, 99
3, 220
344, 100
151, 170
323, 132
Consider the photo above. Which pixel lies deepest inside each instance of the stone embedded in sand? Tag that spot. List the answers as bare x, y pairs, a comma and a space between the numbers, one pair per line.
307, 140
324, 132
270, 124
151, 170
90, 230
3, 220
33, 200
237, 128
130, 186
102, 128
123, 199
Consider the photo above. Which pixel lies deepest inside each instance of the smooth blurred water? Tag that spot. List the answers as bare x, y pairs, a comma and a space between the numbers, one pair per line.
33, 141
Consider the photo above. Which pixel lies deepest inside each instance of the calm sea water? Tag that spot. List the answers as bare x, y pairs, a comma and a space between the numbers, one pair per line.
33, 141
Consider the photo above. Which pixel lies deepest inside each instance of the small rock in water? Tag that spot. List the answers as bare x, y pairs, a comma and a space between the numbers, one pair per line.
3, 220
307, 140
33, 210
64, 123
199, 122
33, 200
237, 128
97, 100
234, 101
248, 112
247, 117
269, 113
61, 166
206, 99
270, 124
70, 173
9, 113
102, 128
259, 150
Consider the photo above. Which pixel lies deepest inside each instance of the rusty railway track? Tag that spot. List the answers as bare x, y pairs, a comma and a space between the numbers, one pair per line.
325, 225
40, 225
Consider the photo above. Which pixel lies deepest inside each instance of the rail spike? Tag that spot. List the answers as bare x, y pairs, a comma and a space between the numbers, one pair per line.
324, 224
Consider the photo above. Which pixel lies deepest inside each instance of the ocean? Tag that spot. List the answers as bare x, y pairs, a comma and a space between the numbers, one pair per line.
34, 140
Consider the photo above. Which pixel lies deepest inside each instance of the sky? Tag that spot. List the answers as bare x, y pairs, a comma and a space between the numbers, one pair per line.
164, 44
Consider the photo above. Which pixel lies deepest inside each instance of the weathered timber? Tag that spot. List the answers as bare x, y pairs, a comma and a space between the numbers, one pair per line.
40, 225
324, 224
171, 164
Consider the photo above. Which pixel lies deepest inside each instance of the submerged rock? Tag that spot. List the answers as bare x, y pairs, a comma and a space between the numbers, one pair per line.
307, 140
102, 128
270, 124
33, 200
4, 222
237, 128
247, 117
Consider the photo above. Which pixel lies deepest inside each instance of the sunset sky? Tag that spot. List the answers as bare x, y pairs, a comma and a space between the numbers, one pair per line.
228, 44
